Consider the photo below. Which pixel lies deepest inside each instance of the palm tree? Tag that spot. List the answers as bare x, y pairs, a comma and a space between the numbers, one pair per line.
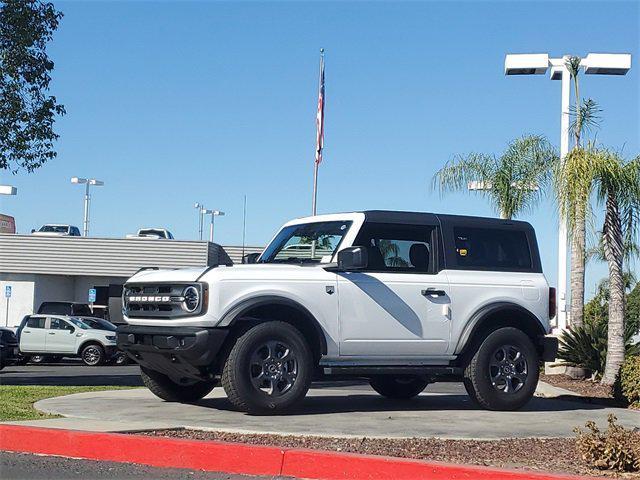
585, 117
618, 187
513, 182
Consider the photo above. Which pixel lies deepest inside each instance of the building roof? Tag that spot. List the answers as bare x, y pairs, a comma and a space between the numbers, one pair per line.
113, 257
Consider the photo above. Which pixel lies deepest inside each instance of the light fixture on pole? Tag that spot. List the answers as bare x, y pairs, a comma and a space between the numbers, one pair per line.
87, 182
8, 190
201, 209
213, 213
593, 64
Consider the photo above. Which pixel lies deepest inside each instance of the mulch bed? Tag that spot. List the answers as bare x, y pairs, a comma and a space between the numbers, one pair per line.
557, 455
585, 387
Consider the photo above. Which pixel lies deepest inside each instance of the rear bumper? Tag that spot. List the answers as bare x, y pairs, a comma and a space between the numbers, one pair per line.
549, 348
178, 352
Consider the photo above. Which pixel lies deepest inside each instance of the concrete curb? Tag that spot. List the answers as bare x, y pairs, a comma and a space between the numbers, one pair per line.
238, 458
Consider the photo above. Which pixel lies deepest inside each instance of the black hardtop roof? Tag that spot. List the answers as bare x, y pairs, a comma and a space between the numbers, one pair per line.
413, 218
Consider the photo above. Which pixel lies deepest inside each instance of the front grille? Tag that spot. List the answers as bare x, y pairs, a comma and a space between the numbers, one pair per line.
163, 300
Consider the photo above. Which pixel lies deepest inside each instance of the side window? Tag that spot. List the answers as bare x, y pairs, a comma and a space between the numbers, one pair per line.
36, 322
398, 248
59, 324
491, 248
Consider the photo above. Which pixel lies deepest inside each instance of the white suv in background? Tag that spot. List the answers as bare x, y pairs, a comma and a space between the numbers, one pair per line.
62, 336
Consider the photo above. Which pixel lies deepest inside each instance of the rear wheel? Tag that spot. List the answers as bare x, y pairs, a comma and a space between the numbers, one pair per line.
269, 369
398, 387
92, 355
503, 372
165, 388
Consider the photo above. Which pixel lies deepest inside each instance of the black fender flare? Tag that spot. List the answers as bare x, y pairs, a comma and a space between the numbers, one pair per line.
240, 310
477, 321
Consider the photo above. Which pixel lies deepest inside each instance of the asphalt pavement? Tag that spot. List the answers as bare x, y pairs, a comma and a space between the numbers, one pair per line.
71, 372
37, 467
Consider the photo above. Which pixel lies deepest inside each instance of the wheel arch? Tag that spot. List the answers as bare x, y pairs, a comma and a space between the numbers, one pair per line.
274, 307
497, 315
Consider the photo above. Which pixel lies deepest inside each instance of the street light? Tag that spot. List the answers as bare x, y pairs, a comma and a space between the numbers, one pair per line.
200, 208
593, 64
213, 213
8, 190
87, 198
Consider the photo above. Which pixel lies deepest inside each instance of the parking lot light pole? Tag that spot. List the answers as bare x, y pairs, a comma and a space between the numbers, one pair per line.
201, 209
87, 198
213, 213
538, 64
8, 190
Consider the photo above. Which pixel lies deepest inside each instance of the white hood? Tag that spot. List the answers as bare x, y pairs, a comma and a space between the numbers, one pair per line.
163, 275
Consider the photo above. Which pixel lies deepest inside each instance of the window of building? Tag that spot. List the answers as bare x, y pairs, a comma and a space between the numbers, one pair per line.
398, 248
492, 248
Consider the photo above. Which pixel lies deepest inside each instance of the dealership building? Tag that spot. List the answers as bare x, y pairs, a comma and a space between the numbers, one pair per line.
36, 269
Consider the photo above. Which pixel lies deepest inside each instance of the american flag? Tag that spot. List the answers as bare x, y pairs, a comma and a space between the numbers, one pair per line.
320, 115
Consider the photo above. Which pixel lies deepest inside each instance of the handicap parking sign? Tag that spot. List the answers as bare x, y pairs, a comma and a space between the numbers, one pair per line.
92, 295
7, 291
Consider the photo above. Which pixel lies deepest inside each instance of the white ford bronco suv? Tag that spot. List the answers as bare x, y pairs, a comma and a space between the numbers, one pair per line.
402, 299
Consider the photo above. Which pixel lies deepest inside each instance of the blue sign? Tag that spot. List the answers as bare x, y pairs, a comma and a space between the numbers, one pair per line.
92, 295
7, 291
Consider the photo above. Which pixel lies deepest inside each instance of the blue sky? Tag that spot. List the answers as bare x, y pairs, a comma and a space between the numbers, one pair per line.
174, 102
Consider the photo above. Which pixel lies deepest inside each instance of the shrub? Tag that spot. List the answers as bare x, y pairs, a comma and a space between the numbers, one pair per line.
627, 386
586, 346
615, 449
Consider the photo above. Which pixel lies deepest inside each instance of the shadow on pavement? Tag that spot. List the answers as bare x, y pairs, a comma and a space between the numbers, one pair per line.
326, 404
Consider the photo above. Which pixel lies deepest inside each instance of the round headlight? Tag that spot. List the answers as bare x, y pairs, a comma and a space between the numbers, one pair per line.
191, 299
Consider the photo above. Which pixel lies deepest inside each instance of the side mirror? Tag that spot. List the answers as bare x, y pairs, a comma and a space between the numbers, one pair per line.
353, 258
33, 230
250, 258
72, 330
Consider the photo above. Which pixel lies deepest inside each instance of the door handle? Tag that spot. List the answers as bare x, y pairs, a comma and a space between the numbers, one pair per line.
432, 292
26, 331
52, 333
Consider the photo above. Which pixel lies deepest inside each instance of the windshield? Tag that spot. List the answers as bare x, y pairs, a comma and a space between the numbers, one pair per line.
55, 228
100, 324
306, 243
79, 323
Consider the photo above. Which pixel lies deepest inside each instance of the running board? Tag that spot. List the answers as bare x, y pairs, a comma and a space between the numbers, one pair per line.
422, 370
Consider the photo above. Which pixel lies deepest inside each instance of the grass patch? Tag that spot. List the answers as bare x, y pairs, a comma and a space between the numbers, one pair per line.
16, 401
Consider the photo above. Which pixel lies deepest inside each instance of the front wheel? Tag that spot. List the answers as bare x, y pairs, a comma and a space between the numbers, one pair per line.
503, 372
398, 387
166, 389
92, 355
37, 359
269, 369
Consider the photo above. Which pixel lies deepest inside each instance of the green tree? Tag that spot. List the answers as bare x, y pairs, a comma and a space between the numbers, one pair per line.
584, 118
618, 187
27, 112
513, 182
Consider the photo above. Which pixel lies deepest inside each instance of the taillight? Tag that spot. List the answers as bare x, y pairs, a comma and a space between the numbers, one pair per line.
552, 302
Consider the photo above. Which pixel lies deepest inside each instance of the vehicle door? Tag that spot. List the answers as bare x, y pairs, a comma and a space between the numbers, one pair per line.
33, 335
399, 305
61, 336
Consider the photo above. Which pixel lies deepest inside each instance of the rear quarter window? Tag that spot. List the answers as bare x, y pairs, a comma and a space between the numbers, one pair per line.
491, 249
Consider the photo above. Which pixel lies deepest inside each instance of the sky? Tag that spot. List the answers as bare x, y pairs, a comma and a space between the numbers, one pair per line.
170, 103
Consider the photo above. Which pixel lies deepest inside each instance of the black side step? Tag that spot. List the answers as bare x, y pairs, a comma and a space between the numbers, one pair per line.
364, 371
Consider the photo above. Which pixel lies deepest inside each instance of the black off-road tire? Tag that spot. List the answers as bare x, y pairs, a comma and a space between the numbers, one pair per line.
166, 389
238, 371
401, 387
478, 373
92, 355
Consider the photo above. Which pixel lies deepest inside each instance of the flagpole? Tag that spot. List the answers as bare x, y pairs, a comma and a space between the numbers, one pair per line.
315, 162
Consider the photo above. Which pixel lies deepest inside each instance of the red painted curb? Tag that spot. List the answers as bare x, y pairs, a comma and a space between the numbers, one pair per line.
241, 458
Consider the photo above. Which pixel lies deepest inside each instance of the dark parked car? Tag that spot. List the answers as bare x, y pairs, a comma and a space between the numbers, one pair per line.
9, 352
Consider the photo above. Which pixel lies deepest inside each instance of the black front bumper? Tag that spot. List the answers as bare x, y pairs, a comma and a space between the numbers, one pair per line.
179, 352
